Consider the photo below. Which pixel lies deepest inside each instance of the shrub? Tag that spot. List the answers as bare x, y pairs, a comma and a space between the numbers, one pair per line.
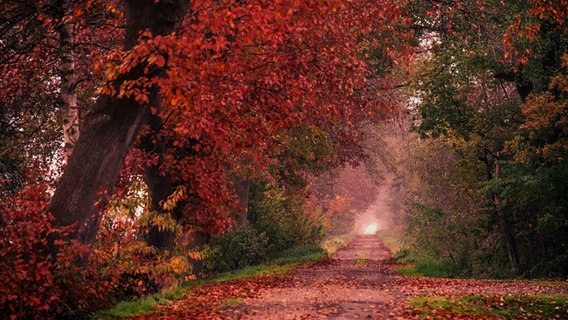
282, 218
33, 283
236, 249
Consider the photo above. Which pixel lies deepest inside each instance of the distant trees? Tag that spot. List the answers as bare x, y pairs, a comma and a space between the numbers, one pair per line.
481, 82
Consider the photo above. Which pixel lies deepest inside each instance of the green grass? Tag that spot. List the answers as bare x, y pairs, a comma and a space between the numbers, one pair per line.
258, 270
391, 241
335, 243
128, 308
424, 267
506, 306
147, 304
286, 262
360, 261
408, 270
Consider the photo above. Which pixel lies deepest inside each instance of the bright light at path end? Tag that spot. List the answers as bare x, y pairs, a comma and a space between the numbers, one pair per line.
371, 229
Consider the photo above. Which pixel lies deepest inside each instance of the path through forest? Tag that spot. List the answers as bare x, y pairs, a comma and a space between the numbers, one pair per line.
357, 282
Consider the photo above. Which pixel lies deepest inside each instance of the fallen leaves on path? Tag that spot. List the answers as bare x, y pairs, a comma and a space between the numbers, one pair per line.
347, 286
206, 302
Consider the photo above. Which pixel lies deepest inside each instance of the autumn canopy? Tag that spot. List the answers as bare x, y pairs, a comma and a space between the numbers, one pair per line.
144, 142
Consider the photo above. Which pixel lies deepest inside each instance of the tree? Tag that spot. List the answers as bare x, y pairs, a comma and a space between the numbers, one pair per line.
207, 91
471, 92
238, 85
112, 125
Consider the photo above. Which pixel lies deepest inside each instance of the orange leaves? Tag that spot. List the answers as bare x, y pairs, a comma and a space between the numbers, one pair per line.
157, 60
527, 26
556, 10
180, 194
543, 135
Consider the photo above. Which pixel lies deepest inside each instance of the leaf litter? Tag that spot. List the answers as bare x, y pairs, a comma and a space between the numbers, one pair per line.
357, 282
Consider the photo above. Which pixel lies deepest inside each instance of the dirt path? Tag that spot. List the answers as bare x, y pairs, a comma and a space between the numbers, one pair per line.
358, 282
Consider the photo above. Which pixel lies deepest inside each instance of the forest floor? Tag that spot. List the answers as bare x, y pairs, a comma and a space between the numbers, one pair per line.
357, 282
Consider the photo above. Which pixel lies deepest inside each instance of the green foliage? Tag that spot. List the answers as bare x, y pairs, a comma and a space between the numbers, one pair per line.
279, 228
426, 267
503, 129
237, 249
307, 148
281, 217
494, 306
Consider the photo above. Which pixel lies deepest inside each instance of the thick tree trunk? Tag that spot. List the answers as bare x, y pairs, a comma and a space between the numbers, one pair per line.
69, 108
109, 130
160, 185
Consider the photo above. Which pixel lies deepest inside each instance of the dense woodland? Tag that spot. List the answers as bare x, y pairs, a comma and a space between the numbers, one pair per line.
145, 143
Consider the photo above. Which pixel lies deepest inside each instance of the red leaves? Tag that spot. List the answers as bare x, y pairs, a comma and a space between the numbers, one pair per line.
29, 277
238, 75
206, 302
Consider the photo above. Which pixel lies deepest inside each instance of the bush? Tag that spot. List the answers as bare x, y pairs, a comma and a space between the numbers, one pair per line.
36, 284
33, 283
237, 249
283, 219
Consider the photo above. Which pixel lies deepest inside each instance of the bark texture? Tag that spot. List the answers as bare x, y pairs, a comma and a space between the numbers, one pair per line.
493, 172
69, 108
109, 130
507, 230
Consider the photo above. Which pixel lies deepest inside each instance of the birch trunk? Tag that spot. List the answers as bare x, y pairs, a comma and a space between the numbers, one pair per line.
69, 109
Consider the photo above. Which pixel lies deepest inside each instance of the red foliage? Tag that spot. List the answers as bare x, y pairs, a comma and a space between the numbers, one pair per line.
33, 283
241, 75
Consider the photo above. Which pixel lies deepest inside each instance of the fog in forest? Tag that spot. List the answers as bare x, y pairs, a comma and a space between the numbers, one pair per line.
382, 216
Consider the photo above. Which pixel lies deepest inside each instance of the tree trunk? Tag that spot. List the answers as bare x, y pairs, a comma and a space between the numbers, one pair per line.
493, 173
508, 233
506, 228
160, 185
109, 130
69, 108
242, 187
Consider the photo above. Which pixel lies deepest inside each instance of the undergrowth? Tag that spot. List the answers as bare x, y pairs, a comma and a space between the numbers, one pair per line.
510, 306
286, 262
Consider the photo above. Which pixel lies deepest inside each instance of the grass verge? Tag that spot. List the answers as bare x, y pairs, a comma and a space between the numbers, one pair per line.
424, 267
496, 306
288, 260
146, 304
